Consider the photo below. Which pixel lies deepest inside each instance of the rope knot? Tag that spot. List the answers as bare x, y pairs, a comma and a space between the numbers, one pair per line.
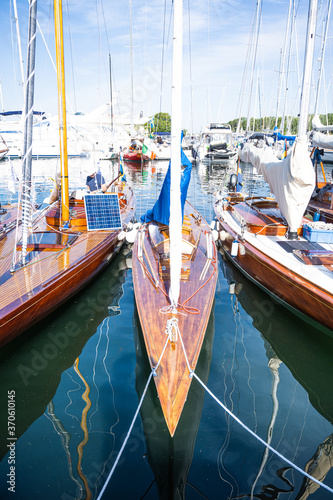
172, 329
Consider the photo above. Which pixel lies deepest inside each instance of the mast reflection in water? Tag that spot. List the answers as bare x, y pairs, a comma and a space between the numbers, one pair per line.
258, 345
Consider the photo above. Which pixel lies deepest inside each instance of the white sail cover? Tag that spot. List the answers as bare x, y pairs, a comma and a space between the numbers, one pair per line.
321, 140
317, 125
292, 180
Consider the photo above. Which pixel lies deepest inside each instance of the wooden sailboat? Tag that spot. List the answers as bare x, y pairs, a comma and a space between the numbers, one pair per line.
169, 457
268, 239
174, 272
55, 254
321, 203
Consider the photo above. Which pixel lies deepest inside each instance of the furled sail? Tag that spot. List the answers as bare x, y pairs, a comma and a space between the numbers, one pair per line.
292, 180
161, 210
321, 140
317, 125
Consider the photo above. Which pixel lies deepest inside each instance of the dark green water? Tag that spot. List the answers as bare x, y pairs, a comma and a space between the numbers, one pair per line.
79, 374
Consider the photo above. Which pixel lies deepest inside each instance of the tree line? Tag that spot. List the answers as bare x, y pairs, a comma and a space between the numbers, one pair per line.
161, 122
268, 123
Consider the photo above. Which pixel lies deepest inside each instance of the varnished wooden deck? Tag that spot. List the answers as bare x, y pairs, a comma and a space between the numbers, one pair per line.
196, 298
52, 274
291, 287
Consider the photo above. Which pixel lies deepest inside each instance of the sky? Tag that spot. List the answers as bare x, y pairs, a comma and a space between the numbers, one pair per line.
217, 47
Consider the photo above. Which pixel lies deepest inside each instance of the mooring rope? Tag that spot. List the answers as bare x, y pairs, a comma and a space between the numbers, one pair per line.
126, 438
259, 438
152, 373
193, 374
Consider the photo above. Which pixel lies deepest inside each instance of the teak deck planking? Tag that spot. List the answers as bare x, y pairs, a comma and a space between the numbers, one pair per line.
52, 275
172, 375
293, 289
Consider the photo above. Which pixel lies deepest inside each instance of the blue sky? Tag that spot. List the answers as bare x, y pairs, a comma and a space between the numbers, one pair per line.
218, 44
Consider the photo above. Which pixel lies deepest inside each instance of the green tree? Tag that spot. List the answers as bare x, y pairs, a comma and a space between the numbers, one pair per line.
161, 123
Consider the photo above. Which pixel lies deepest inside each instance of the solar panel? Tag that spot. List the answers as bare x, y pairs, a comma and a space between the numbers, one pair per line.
102, 211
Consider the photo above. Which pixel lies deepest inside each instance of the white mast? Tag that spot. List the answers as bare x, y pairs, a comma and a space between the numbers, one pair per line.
306, 87
131, 64
175, 227
322, 54
28, 128
254, 62
19, 42
282, 64
1, 99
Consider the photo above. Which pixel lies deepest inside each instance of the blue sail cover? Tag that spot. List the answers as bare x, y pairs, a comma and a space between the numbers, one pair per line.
279, 137
161, 210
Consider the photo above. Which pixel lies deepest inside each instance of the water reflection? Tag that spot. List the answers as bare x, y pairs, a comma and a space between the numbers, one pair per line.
308, 354
216, 459
171, 458
45, 362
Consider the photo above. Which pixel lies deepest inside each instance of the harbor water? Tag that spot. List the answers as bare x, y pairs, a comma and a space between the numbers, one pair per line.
71, 385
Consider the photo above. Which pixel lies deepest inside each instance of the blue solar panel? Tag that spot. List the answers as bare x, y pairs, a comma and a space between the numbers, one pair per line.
102, 211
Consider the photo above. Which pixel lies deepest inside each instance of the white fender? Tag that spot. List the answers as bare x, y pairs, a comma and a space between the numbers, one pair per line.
131, 235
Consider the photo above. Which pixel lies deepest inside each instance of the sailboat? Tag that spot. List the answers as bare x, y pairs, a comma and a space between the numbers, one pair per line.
321, 203
174, 269
56, 252
268, 239
170, 458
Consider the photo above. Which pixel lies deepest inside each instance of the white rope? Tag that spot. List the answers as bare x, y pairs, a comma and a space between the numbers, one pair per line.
152, 373
126, 438
172, 329
193, 374
260, 439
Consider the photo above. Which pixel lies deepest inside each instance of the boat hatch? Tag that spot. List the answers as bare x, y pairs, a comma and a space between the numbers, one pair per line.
49, 241
164, 267
311, 253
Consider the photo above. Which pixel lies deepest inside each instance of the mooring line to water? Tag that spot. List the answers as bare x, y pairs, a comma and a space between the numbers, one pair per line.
126, 439
191, 375
259, 438
273, 450
152, 373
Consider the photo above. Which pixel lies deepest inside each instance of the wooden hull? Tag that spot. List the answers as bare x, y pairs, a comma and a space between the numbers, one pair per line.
169, 457
297, 353
172, 375
53, 273
289, 287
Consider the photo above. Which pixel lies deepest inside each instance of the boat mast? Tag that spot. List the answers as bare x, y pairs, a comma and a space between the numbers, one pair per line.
61, 110
175, 227
131, 64
1, 99
255, 49
288, 67
28, 127
110, 71
19, 42
282, 65
306, 87
322, 54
